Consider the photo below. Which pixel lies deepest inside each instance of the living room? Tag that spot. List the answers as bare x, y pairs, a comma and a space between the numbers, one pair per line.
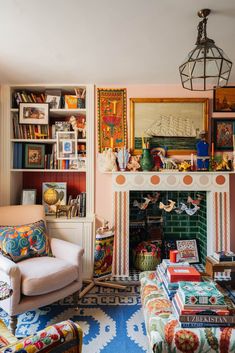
112, 123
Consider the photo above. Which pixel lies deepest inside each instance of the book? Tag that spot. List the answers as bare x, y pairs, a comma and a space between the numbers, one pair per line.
202, 293
20, 155
183, 306
183, 273
223, 256
167, 263
71, 101
15, 156
204, 324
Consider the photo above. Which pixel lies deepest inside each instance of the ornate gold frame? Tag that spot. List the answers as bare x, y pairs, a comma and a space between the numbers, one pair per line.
134, 101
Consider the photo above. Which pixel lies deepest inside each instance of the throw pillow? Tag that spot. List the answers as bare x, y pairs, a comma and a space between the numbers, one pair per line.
23, 241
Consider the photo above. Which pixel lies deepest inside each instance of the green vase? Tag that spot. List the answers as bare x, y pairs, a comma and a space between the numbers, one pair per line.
146, 160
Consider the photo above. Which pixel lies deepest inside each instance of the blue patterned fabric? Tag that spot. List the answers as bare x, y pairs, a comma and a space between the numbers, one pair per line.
23, 241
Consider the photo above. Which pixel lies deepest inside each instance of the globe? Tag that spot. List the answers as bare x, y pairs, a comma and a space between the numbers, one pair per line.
51, 196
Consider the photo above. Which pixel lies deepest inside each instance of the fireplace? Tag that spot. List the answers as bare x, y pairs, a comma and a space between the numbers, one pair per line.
214, 219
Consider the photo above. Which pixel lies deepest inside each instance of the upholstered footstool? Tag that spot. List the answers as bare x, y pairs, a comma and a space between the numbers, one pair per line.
163, 329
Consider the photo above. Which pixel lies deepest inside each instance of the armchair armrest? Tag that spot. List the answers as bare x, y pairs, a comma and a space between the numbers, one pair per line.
10, 272
65, 335
67, 251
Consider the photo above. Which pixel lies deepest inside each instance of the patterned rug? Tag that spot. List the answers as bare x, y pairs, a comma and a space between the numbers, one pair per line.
111, 320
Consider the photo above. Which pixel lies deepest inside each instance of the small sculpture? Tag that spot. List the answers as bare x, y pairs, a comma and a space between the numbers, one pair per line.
63, 209
134, 164
78, 127
107, 161
184, 166
202, 151
141, 206
169, 207
123, 156
197, 201
224, 164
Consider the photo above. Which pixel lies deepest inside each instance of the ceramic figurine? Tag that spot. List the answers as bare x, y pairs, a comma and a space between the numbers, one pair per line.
134, 164
224, 164
107, 161
202, 151
123, 157
184, 166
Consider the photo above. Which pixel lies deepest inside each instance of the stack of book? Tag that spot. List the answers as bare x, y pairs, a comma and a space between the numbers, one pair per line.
170, 273
201, 304
224, 256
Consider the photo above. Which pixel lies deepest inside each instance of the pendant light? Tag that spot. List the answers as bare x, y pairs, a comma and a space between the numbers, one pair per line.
206, 66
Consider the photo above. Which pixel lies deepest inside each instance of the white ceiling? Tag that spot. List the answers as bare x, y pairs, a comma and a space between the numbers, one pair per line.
106, 41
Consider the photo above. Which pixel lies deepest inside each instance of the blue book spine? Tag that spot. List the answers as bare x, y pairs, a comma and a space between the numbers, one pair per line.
20, 155
15, 155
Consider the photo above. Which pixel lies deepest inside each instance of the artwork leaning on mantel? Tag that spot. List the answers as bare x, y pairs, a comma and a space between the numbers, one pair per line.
170, 123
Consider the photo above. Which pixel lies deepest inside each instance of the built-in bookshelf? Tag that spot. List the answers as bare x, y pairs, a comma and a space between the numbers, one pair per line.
18, 137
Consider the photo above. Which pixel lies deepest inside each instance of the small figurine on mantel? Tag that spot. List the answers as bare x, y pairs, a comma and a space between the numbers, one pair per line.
224, 164
202, 151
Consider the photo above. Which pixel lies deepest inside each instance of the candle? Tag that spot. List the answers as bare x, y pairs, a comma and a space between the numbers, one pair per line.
111, 142
212, 149
192, 159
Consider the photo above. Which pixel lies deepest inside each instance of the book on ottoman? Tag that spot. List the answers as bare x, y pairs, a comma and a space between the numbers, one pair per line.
200, 293
184, 273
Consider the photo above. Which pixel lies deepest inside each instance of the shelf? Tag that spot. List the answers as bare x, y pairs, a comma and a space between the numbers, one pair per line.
59, 112
81, 170
70, 220
43, 140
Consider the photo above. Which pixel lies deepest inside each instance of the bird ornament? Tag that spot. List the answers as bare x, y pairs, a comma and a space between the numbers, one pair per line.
169, 207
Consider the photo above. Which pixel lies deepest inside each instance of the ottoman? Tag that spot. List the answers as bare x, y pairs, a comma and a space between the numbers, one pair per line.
163, 329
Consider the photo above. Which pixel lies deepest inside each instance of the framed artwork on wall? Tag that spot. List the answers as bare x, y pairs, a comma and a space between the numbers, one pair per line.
224, 99
171, 123
112, 125
224, 130
34, 113
187, 250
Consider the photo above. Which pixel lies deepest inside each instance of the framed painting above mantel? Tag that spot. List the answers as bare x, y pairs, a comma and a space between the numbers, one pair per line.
170, 123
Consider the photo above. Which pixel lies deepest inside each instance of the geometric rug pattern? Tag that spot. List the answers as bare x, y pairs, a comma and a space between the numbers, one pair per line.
111, 319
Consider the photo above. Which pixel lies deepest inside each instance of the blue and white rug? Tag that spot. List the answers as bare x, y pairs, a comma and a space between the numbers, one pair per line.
111, 320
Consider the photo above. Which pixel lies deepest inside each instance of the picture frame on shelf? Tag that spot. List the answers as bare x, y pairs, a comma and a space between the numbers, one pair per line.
224, 99
28, 196
224, 130
66, 145
187, 250
34, 156
53, 193
34, 113
53, 97
148, 117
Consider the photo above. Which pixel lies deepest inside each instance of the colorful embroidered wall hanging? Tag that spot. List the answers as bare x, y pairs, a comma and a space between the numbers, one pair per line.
111, 110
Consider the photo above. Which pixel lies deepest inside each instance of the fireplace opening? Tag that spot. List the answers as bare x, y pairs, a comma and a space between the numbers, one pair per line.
162, 217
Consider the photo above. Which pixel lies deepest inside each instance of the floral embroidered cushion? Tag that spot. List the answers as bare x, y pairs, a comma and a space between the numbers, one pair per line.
24, 241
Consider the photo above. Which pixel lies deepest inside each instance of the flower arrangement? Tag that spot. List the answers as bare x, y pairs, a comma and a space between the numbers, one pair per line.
148, 247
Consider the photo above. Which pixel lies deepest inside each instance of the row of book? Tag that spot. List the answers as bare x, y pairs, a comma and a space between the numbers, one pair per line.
29, 131
195, 303
53, 97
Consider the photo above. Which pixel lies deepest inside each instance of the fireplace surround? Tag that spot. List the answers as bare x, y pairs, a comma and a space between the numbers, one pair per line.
216, 186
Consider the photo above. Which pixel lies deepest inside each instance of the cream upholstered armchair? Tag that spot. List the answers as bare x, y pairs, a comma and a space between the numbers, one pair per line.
38, 281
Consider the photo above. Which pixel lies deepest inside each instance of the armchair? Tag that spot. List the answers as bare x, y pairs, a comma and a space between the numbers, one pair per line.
38, 281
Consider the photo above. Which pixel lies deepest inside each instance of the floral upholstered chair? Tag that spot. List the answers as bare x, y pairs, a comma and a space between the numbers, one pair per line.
39, 271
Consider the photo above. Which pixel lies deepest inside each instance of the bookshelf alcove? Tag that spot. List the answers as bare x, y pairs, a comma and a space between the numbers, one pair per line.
16, 175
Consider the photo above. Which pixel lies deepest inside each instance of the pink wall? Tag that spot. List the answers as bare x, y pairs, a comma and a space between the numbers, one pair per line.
103, 196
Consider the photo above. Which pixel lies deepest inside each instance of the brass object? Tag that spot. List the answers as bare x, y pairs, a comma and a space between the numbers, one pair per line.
63, 209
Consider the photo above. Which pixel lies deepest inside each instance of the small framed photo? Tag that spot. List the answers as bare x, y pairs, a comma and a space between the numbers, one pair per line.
34, 156
53, 97
224, 129
28, 197
187, 250
67, 145
34, 113
224, 99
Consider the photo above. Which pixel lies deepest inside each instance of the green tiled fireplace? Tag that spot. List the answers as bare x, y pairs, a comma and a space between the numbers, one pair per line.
172, 226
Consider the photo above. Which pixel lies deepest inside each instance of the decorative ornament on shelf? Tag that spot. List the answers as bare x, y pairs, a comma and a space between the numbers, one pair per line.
134, 164
107, 161
146, 161
224, 164
203, 152
184, 166
206, 66
169, 207
123, 156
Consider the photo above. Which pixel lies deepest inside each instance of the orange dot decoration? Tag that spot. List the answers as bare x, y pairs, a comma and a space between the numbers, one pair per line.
155, 179
120, 179
187, 180
220, 179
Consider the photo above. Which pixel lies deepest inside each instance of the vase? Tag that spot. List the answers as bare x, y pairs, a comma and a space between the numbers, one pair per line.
123, 157
146, 160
